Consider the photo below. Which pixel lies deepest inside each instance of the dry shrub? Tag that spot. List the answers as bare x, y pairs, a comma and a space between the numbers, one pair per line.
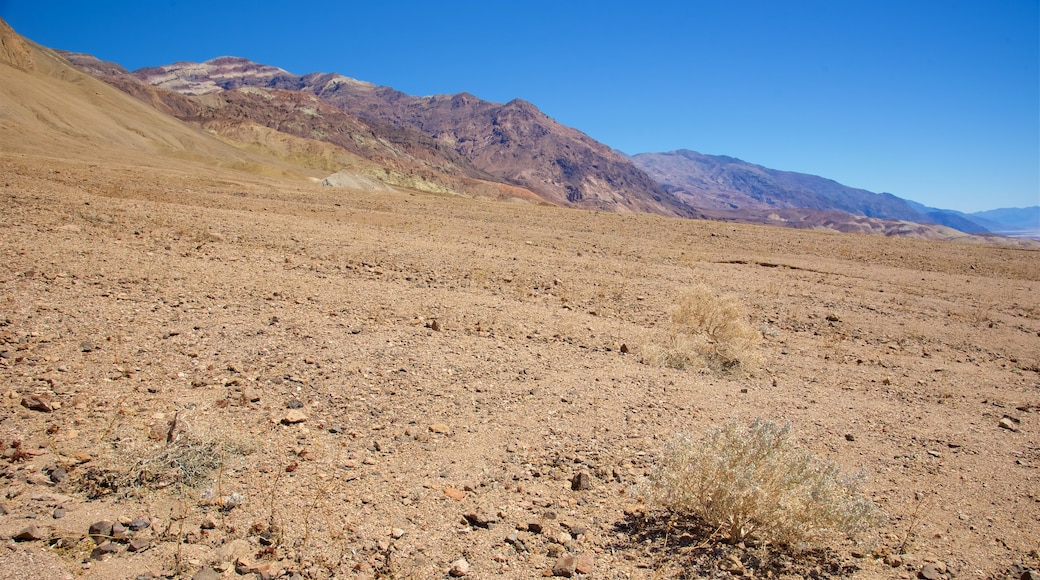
705, 328
752, 481
139, 463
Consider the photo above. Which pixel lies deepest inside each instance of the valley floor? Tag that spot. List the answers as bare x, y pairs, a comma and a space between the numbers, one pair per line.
382, 384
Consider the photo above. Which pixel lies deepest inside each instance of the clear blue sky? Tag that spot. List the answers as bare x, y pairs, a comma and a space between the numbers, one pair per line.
936, 101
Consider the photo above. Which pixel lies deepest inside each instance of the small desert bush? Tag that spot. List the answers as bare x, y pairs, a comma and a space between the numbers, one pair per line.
707, 328
139, 463
753, 482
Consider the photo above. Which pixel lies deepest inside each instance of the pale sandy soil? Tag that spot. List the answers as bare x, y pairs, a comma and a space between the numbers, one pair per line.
439, 343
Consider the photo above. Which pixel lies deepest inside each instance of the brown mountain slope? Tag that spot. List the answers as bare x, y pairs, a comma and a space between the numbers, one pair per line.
47, 108
302, 129
514, 142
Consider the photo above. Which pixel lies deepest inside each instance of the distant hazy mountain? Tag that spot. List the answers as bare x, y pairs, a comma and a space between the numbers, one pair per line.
1012, 220
715, 182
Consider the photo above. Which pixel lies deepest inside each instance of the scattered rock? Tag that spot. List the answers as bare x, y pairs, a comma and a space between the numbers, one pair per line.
480, 519
101, 530
139, 524
58, 475
932, 571
294, 404
105, 549
850, 437
585, 564
440, 428
138, 545
455, 494
581, 481
293, 417
893, 560
459, 568
565, 566
119, 533
1010, 423
397, 533
514, 540
58, 513
42, 402
30, 534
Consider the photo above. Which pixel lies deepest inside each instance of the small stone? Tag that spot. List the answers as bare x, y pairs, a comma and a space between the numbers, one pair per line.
58, 513
459, 568
455, 494
119, 532
1009, 423
932, 571
101, 530
105, 549
440, 428
850, 437
581, 481
139, 524
396, 533
295, 404
565, 566
58, 475
585, 564
138, 545
30, 534
893, 560
534, 527
480, 519
42, 402
208, 524
293, 417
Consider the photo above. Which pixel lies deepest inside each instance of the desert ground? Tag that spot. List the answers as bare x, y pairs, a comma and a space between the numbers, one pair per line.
257, 377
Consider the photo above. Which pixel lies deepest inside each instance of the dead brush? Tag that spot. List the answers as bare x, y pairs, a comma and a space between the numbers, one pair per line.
138, 463
752, 482
705, 329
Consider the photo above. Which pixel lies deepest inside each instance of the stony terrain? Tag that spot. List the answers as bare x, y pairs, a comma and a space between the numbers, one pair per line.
213, 367
360, 366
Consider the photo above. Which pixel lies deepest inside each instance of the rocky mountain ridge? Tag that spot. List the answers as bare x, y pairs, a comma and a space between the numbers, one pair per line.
513, 142
462, 144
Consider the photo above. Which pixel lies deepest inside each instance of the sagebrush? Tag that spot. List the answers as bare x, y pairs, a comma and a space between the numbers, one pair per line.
705, 328
753, 482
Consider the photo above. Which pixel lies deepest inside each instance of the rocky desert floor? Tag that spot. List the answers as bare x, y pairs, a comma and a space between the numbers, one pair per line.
247, 377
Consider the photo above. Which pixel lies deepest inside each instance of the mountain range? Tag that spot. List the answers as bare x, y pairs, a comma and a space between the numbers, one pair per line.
371, 136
